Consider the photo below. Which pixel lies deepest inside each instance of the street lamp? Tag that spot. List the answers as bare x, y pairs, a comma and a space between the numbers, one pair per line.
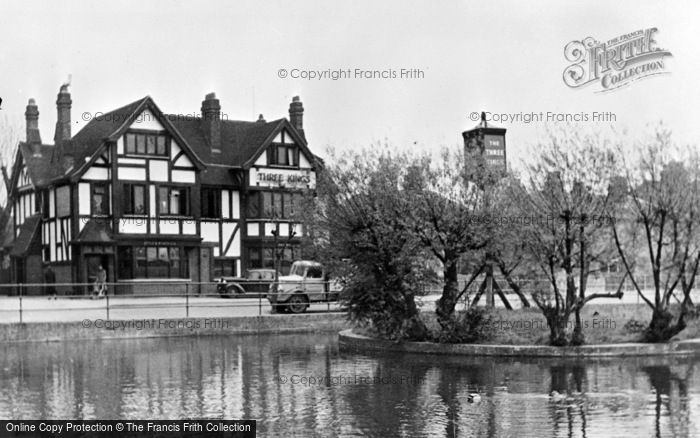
278, 251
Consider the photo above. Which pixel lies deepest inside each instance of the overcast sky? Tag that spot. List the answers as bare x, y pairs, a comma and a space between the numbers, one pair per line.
503, 57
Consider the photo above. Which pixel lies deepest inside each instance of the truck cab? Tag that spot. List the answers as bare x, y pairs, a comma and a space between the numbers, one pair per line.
306, 283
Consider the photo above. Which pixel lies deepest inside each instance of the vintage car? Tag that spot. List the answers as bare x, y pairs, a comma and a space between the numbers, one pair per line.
306, 283
255, 284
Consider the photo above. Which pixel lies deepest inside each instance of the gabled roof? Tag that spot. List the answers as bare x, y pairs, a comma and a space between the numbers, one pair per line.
257, 138
28, 233
242, 142
263, 139
110, 126
233, 133
239, 139
48, 166
86, 142
41, 167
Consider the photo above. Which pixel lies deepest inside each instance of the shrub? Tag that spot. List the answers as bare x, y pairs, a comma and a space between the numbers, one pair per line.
467, 327
634, 326
392, 314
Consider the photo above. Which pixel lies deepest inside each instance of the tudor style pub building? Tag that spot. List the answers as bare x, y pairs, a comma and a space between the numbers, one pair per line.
153, 197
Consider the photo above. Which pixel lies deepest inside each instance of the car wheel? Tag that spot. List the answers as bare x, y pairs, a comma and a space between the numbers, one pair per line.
234, 290
297, 304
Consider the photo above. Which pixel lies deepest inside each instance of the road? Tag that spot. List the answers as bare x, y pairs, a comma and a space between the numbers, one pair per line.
41, 309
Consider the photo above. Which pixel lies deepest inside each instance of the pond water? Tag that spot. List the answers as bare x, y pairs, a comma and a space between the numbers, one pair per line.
302, 385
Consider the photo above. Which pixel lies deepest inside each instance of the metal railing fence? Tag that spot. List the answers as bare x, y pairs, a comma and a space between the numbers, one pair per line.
48, 301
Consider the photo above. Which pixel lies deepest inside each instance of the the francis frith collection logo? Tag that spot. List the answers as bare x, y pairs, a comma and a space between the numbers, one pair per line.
614, 63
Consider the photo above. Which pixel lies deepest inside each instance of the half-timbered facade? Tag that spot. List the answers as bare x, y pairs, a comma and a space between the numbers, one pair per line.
153, 197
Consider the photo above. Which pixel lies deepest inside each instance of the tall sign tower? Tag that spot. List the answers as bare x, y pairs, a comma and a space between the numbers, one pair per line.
489, 141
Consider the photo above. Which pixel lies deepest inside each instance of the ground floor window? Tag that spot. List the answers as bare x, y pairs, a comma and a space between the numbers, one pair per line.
224, 268
265, 256
153, 262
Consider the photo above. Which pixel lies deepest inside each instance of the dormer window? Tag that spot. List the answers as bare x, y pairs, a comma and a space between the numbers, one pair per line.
138, 143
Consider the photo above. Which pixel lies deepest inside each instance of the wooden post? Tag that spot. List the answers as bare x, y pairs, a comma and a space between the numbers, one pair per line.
491, 303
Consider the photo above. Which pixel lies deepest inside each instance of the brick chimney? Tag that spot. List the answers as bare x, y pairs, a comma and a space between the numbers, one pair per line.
63, 105
32, 120
296, 114
211, 121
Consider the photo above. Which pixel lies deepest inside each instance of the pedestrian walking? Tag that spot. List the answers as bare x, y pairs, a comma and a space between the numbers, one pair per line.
50, 282
100, 288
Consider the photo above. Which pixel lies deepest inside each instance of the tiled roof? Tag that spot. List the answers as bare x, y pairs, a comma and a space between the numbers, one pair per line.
48, 166
28, 232
240, 141
88, 140
41, 167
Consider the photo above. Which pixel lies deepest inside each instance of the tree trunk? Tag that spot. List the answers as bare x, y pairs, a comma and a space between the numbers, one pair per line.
414, 327
445, 306
577, 338
411, 307
557, 327
662, 327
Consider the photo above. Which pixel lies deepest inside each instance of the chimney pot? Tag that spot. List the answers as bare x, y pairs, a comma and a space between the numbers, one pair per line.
261, 119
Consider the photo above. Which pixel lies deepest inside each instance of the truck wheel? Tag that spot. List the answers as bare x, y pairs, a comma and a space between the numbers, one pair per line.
297, 303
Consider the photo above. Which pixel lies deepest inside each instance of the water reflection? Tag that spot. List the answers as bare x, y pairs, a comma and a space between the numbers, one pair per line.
303, 383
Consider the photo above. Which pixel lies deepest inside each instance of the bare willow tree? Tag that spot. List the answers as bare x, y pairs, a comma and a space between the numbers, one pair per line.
569, 192
660, 230
447, 205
